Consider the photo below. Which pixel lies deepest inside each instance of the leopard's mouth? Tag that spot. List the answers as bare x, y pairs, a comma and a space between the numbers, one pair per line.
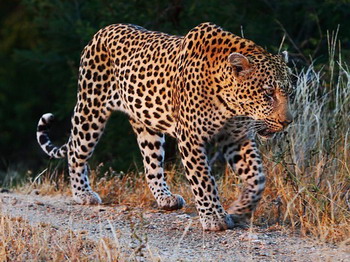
266, 133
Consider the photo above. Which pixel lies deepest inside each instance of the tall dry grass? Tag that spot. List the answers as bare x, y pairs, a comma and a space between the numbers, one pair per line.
309, 168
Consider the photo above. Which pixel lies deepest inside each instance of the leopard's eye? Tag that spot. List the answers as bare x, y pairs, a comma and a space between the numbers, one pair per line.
269, 91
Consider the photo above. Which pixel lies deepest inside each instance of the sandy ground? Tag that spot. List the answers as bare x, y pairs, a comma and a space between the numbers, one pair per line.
167, 236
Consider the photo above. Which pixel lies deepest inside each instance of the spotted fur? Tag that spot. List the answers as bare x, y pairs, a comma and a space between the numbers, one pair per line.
209, 84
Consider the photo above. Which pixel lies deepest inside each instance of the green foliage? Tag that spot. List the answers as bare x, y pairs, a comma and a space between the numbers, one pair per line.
41, 42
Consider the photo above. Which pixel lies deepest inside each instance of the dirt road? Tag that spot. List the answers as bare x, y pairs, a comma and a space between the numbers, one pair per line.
165, 236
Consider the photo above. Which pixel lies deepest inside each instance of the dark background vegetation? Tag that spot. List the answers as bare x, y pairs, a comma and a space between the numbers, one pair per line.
41, 41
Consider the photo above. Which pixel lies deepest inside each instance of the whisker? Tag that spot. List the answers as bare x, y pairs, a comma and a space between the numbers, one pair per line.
260, 129
247, 123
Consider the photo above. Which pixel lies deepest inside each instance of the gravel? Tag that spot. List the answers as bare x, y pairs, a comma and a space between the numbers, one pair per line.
164, 236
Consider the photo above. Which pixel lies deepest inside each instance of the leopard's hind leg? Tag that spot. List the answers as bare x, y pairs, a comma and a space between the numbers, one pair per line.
86, 131
97, 97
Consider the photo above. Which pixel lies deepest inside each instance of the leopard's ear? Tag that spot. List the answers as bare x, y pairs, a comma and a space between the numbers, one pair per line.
284, 56
240, 64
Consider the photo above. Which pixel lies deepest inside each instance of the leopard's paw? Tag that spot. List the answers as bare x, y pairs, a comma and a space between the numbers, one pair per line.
217, 223
87, 198
172, 202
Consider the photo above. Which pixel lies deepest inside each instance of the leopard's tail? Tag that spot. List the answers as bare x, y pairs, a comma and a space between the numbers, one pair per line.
42, 135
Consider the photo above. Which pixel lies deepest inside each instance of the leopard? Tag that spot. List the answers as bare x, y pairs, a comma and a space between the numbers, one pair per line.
208, 85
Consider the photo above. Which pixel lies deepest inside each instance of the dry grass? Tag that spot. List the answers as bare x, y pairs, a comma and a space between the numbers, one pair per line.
309, 168
21, 241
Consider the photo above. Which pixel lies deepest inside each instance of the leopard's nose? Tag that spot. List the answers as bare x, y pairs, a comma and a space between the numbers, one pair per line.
285, 122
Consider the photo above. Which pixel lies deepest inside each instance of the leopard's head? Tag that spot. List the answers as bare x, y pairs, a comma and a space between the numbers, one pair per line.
260, 89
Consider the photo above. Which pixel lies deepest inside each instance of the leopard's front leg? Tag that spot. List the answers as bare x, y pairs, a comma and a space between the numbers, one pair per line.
244, 159
152, 149
212, 215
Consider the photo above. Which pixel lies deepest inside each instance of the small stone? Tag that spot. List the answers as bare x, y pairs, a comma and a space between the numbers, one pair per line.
124, 208
148, 215
183, 216
248, 237
35, 192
